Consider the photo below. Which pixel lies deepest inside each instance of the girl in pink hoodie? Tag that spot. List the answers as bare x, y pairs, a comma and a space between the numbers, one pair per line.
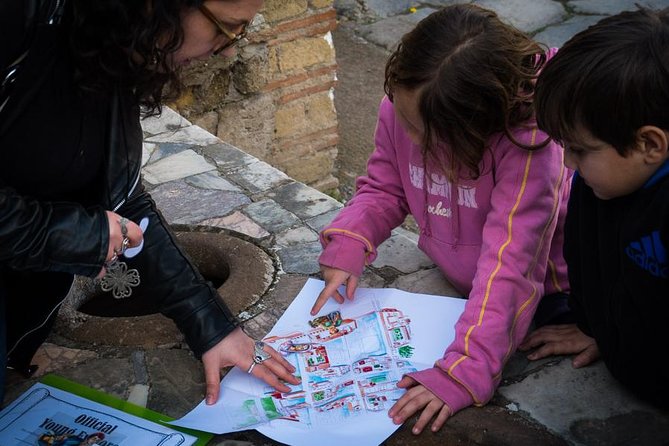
458, 148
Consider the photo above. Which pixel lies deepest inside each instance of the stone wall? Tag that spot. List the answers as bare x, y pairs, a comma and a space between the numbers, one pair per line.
275, 99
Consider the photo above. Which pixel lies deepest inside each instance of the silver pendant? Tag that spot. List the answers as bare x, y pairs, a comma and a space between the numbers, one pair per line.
119, 279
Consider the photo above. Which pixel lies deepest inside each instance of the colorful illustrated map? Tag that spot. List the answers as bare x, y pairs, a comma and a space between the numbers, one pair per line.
349, 359
347, 365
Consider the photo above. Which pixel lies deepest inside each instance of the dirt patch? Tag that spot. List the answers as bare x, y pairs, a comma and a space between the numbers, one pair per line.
357, 96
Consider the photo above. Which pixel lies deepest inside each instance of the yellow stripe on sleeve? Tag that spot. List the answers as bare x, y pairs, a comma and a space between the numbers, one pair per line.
502, 248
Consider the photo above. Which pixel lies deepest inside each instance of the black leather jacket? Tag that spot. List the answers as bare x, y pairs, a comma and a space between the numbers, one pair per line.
67, 236
172, 282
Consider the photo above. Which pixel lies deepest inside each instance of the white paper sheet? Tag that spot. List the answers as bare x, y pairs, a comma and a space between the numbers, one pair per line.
349, 364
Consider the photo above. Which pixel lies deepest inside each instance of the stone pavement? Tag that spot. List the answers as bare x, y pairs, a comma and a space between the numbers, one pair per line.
551, 22
232, 209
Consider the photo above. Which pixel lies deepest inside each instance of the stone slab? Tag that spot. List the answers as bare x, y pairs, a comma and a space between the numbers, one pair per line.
533, 15
386, 33
147, 150
348, 8
555, 36
180, 165
285, 290
182, 203
139, 395
418, 15
402, 254
445, 2
428, 281
186, 135
300, 259
611, 7
271, 216
139, 367
479, 426
211, 180
114, 376
166, 149
259, 177
168, 121
303, 201
567, 400
295, 236
385, 8
177, 381
320, 221
51, 358
237, 222
227, 158
257, 326
369, 279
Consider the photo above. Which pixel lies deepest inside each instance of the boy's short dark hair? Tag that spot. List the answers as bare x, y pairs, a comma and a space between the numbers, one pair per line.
611, 79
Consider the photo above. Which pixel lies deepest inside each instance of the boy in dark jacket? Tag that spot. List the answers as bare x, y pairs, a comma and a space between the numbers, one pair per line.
605, 96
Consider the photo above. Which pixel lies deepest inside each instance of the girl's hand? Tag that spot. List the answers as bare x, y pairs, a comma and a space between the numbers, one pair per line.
237, 349
333, 279
134, 235
415, 399
561, 340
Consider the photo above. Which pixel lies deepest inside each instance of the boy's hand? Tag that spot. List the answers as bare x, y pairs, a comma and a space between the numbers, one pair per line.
561, 340
333, 279
415, 399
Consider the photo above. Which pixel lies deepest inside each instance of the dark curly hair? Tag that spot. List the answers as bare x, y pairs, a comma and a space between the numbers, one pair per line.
128, 44
475, 76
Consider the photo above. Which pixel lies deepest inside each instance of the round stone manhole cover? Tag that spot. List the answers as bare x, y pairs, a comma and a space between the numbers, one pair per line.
241, 271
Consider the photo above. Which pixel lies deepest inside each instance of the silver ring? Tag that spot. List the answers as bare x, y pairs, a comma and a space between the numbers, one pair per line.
124, 246
124, 229
253, 364
260, 355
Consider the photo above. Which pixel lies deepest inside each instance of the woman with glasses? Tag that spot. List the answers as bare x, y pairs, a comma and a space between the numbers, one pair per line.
75, 77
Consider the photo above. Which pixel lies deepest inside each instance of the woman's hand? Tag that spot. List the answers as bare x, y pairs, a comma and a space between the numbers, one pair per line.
135, 237
333, 279
237, 349
561, 340
416, 398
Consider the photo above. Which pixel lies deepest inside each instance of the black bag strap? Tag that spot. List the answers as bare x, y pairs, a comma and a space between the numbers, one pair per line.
42, 17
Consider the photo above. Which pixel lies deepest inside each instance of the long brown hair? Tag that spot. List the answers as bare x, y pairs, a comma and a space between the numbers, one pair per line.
475, 76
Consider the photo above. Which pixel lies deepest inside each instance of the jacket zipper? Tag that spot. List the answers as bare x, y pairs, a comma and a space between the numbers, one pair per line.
132, 189
9, 352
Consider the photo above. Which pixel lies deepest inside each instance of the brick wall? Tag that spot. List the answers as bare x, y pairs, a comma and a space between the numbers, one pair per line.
275, 99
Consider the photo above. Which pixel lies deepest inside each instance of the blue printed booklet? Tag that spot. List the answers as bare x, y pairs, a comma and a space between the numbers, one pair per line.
58, 412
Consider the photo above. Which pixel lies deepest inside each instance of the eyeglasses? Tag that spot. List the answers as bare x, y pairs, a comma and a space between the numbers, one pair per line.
232, 37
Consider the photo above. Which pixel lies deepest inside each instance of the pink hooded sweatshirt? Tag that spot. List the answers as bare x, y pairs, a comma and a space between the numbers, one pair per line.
498, 239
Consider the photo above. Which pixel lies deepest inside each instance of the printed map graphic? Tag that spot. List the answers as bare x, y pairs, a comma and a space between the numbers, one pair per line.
349, 361
347, 366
